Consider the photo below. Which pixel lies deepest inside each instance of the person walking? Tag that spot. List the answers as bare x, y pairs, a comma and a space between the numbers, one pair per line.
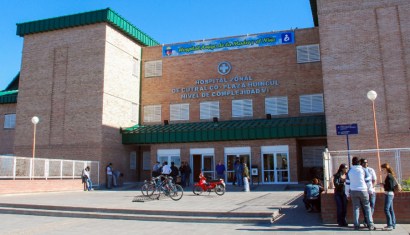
220, 170
389, 183
358, 187
372, 197
109, 175
339, 180
246, 187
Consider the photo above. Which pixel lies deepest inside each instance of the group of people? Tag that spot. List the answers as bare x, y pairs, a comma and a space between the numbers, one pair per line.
184, 171
357, 184
241, 174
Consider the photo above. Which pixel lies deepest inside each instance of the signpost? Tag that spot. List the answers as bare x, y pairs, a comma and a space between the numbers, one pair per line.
347, 129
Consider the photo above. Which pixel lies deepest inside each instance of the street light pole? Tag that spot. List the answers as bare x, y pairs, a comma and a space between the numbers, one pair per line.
34, 120
372, 95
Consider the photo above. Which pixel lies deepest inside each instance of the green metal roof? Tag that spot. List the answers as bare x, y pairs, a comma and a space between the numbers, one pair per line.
86, 18
7, 97
292, 127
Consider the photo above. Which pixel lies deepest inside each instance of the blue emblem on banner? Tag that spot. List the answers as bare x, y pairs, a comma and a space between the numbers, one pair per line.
287, 38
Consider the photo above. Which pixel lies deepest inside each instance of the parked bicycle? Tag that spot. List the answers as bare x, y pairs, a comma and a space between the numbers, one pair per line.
164, 185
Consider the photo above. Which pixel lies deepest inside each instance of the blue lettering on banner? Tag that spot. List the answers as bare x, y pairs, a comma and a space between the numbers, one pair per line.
206, 46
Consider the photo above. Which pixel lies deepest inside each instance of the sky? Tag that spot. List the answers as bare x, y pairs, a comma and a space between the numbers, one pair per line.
167, 21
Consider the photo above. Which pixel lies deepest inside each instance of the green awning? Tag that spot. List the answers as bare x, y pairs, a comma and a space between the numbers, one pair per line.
7, 97
275, 128
86, 18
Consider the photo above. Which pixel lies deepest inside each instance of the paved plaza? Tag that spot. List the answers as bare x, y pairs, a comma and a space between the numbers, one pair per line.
83, 212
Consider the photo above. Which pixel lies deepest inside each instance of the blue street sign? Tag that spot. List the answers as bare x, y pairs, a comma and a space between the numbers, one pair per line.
347, 129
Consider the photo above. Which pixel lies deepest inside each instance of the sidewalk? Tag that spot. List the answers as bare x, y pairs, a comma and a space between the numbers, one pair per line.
261, 201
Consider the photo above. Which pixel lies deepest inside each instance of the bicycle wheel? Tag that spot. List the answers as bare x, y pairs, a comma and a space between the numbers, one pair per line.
197, 190
176, 192
153, 192
220, 190
144, 188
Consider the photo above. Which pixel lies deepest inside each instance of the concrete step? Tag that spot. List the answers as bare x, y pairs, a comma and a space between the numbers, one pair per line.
144, 215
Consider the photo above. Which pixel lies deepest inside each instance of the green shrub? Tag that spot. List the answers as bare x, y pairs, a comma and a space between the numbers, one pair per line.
406, 184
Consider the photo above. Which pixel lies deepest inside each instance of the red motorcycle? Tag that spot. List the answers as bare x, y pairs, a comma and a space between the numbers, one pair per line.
218, 186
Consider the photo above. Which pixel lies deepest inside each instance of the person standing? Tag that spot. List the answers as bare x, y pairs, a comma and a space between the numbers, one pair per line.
87, 177
220, 170
188, 172
174, 172
183, 175
372, 197
389, 183
238, 168
246, 187
109, 175
358, 187
156, 169
339, 180
166, 170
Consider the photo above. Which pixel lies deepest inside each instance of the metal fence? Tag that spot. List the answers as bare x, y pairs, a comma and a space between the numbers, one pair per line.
12, 167
398, 158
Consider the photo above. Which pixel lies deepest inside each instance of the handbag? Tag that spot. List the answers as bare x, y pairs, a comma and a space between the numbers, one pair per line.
397, 186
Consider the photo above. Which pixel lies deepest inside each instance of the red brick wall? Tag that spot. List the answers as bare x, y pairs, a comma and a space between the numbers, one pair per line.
6, 135
365, 46
32, 186
401, 209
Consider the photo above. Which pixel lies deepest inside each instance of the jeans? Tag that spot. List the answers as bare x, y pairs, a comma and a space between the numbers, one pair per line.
341, 205
239, 179
220, 176
360, 198
388, 210
372, 200
109, 181
89, 184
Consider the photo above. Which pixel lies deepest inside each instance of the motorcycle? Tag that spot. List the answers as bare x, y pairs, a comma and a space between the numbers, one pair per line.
218, 186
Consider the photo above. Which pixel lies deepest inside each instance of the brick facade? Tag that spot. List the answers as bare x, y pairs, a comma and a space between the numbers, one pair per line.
79, 82
365, 46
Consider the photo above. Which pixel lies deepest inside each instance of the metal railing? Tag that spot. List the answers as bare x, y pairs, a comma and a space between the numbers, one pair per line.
396, 157
12, 167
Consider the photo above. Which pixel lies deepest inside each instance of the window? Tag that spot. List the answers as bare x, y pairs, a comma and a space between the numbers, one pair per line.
134, 112
208, 110
308, 53
313, 156
179, 112
242, 108
10, 121
153, 68
276, 105
311, 103
152, 113
135, 67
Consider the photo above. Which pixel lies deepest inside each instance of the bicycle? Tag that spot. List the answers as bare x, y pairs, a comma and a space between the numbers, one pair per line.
166, 187
146, 185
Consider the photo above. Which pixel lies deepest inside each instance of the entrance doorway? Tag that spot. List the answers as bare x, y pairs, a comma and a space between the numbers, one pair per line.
202, 159
275, 167
242, 154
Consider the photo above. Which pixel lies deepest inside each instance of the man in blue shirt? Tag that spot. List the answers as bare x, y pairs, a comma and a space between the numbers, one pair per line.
220, 170
311, 196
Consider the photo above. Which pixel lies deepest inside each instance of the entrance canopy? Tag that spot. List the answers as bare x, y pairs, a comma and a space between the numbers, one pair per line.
291, 127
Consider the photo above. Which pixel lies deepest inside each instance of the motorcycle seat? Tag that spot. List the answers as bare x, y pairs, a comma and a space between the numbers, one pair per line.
213, 181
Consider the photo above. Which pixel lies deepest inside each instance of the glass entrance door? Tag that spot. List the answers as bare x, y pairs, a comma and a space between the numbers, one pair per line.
230, 161
275, 167
204, 162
